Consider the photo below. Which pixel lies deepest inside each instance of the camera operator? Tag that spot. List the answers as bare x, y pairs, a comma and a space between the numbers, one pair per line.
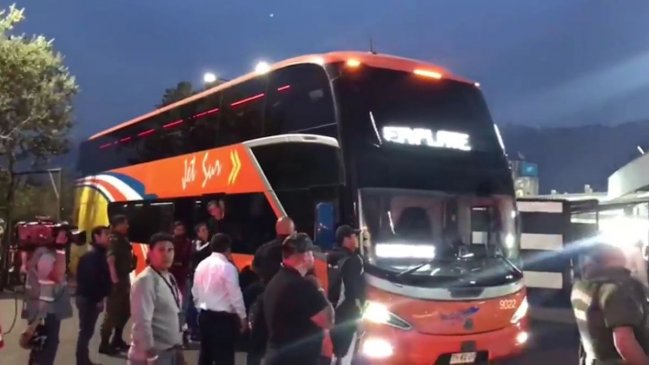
47, 298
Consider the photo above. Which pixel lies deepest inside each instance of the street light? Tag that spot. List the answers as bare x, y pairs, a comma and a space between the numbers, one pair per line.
262, 67
209, 78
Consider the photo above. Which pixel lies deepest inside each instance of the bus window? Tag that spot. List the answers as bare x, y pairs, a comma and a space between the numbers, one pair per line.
203, 126
250, 220
242, 114
290, 166
299, 101
145, 219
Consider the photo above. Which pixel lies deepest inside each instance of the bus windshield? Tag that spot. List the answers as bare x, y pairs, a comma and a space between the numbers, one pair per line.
397, 110
441, 238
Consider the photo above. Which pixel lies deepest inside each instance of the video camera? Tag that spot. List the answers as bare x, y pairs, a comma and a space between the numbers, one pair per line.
44, 231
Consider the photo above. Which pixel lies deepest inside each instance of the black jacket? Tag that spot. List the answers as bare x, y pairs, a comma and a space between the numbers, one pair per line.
346, 283
93, 277
268, 258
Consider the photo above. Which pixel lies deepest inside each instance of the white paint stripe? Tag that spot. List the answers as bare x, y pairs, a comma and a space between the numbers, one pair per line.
294, 137
101, 189
118, 184
546, 280
538, 241
540, 206
264, 179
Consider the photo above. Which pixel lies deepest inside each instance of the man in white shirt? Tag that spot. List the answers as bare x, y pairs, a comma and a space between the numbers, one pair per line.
218, 296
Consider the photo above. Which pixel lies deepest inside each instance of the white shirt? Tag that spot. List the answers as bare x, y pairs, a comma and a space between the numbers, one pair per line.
216, 286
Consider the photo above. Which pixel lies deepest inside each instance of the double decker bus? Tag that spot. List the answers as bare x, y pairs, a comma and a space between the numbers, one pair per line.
401, 148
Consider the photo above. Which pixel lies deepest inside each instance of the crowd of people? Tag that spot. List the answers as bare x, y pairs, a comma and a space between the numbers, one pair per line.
191, 292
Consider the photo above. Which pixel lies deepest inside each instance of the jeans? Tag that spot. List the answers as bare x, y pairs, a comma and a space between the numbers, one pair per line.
191, 316
47, 355
88, 314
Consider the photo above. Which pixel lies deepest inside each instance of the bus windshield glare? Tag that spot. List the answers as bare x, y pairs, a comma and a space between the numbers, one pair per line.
441, 238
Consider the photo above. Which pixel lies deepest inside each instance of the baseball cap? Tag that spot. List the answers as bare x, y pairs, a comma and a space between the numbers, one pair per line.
297, 243
345, 231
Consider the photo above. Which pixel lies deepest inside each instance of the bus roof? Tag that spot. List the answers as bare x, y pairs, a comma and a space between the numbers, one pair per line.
364, 58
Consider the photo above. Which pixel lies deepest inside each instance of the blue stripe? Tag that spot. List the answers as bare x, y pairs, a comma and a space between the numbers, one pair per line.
93, 187
134, 184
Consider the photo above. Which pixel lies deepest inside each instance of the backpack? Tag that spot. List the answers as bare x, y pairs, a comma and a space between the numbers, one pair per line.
335, 274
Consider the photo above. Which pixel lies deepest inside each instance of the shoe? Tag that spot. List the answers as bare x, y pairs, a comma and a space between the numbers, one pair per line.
120, 345
107, 349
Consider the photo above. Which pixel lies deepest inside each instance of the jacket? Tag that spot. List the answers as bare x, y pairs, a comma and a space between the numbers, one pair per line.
93, 276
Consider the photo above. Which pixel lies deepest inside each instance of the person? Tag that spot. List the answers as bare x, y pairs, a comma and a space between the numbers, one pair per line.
346, 291
217, 223
295, 308
201, 250
266, 262
93, 286
156, 303
611, 310
120, 264
182, 256
47, 298
268, 257
218, 297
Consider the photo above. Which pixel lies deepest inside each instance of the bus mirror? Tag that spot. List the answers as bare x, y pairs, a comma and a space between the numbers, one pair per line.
324, 225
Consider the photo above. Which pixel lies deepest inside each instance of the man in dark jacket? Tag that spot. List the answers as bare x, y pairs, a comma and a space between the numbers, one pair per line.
266, 263
94, 286
346, 290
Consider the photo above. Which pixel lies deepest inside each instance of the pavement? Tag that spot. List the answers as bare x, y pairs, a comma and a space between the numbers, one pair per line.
553, 339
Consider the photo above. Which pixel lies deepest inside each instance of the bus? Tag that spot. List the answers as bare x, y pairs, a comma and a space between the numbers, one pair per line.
403, 149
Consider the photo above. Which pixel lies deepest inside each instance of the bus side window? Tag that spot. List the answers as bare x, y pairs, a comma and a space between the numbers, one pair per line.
242, 112
144, 219
300, 101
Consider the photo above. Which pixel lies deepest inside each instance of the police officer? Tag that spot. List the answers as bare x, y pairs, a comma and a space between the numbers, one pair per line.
120, 264
611, 310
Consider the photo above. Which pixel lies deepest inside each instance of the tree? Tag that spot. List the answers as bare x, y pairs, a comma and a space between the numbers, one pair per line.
183, 90
36, 91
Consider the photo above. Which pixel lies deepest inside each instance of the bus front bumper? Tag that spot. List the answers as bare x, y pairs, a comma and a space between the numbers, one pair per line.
387, 345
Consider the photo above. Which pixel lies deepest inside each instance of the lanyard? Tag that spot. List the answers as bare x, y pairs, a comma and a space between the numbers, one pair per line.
172, 286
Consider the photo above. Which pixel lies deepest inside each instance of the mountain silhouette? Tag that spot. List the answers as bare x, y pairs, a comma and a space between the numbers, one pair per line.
571, 157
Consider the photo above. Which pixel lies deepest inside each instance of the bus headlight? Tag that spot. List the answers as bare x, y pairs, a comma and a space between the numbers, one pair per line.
376, 348
378, 313
521, 311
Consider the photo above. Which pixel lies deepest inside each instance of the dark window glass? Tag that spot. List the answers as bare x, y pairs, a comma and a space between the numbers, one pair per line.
145, 219
290, 166
203, 126
243, 112
249, 218
299, 101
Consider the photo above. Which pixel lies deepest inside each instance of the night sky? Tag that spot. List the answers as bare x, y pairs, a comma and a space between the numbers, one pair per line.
540, 62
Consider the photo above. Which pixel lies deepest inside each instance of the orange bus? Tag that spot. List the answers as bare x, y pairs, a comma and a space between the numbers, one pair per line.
401, 148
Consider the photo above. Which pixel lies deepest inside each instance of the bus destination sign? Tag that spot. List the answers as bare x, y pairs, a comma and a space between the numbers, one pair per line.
427, 137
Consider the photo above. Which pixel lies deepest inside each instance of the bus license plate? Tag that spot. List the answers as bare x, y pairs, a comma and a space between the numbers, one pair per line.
463, 358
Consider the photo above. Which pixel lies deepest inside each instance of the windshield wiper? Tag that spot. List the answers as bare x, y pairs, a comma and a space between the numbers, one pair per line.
416, 267
508, 262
